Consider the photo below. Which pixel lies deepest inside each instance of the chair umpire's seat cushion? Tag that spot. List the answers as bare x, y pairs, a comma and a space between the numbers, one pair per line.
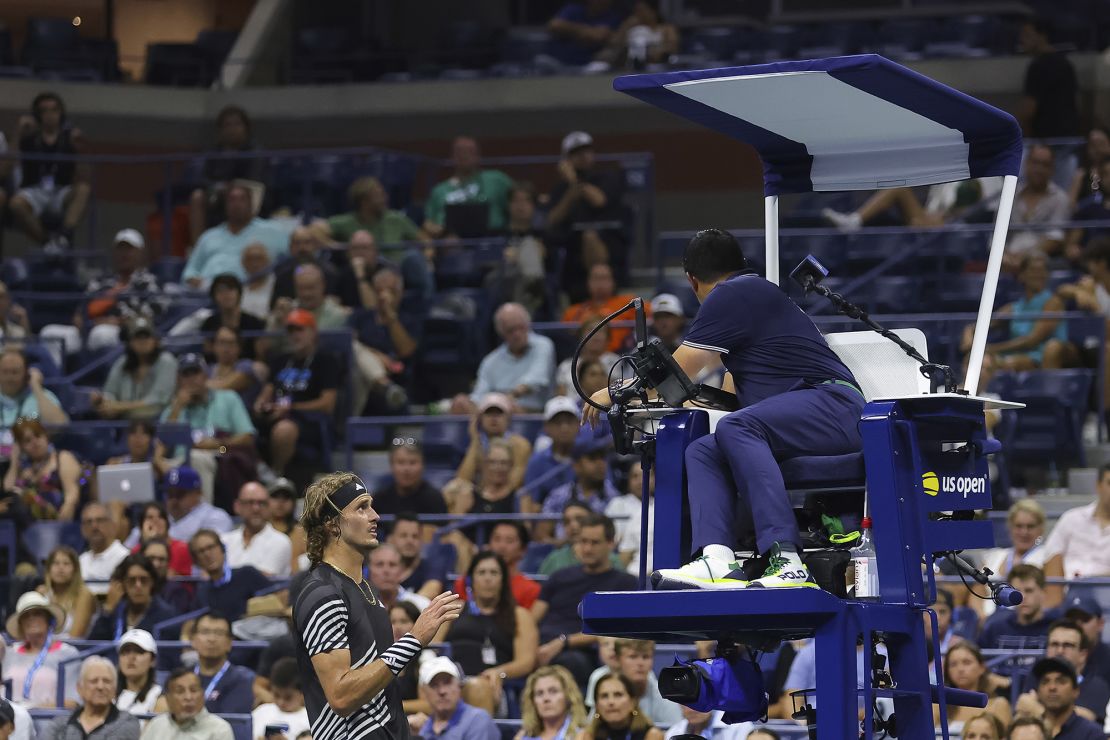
821, 471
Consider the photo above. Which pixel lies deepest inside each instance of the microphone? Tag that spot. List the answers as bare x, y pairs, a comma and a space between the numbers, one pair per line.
1004, 594
809, 273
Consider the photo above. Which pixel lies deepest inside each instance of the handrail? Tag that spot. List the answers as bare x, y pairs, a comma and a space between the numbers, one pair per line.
45, 714
173, 644
177, 621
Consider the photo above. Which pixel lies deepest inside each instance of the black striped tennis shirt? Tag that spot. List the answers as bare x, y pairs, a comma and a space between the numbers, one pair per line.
331, 613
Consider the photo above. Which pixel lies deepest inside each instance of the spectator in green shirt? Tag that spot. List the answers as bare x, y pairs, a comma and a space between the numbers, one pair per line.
468, 184
371, 212
574, 513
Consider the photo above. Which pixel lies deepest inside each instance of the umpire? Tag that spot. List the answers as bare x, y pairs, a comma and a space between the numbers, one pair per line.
796, 397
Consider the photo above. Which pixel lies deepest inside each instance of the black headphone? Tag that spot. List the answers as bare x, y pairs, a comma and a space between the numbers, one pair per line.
43, 96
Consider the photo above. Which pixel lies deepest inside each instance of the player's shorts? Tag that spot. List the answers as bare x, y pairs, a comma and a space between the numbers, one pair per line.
45, 199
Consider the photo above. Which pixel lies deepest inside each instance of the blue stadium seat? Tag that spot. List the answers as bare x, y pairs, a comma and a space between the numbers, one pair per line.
895, 294
1050, 428
717, 42
439, 477
903, 38
92, 441
177, 65
680, 287
168, 269
14, 273
527, 428
446, 442
441, 557
323, 54
43, 536
50, 39
523, 45
965, 623
534, 556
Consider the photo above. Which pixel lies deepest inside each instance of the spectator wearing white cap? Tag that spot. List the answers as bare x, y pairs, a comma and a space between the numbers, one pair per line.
586, 214
32, 663
451, 718
495, 413
550, 467
595, 350
668, 320
136, 690
112, 299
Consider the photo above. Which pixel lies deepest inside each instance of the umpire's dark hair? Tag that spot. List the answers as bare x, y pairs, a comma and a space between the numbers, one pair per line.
713, 254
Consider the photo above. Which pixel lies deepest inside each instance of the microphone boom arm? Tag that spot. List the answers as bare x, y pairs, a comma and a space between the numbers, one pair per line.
809, 273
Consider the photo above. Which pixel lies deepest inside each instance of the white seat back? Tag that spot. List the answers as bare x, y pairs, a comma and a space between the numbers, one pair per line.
881, 368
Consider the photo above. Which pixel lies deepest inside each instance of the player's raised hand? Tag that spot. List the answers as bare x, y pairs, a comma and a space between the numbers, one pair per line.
444, 608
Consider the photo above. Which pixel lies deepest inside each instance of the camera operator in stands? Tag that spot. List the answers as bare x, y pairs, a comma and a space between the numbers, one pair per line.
796, 398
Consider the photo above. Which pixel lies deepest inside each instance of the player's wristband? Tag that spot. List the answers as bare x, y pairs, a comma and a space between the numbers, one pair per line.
401, 653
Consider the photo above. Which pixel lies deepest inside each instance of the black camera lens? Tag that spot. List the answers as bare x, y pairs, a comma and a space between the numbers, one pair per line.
680, 684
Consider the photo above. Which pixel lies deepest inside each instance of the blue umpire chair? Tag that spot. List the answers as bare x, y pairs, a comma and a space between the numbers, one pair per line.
824, 125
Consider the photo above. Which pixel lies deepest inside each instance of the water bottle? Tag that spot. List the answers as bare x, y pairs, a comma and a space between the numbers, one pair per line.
864, 565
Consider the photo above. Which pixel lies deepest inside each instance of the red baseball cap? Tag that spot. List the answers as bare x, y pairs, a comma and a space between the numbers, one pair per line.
300, 317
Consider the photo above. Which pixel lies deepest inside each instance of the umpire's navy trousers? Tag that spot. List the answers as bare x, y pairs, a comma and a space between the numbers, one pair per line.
741, 459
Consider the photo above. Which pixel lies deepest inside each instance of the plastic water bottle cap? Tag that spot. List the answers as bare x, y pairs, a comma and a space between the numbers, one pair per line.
865, 523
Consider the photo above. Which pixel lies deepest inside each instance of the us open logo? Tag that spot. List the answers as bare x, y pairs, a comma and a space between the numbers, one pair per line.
963, 485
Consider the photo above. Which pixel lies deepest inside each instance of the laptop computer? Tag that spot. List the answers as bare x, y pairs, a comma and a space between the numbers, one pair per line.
466, 220
131, 483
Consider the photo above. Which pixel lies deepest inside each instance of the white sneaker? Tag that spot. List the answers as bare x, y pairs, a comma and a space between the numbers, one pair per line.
847, 222
717, 568
785, 570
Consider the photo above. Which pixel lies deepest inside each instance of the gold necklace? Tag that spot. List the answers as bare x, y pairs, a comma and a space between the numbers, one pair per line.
363, 586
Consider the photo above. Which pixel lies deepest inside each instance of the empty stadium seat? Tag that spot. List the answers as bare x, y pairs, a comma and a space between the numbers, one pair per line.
1050, 427
43, 536
179, 65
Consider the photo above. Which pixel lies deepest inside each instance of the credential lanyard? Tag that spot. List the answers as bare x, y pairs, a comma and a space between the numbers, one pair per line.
215, 679
37, 664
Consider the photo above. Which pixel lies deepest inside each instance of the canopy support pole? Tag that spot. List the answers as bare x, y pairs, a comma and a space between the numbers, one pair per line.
771, 224
990, 283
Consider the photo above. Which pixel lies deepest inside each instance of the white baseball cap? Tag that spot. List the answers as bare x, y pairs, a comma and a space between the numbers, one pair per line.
667, 303
130, 236
576, 140
139, 638
559, 405
429, 669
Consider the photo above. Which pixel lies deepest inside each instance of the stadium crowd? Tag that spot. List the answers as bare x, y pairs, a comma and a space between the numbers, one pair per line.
308, 324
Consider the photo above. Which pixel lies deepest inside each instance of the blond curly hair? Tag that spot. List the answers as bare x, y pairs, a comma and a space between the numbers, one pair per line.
530, 719
318, 510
